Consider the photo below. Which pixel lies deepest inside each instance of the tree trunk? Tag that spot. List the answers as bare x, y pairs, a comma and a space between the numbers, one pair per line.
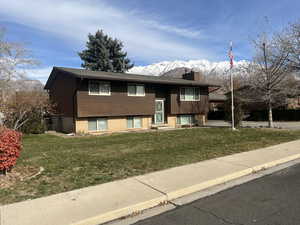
271, 125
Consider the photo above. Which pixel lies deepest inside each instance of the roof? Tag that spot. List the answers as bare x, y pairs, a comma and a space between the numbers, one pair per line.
217, 97
89, 74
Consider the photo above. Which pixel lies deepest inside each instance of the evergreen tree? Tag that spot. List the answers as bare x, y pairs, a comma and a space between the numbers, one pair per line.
104, 54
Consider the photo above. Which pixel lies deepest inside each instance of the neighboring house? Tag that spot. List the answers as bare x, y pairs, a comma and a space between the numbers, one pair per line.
93, 101
216, 102
293, 102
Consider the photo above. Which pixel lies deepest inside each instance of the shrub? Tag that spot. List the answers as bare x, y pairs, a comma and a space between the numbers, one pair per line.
10, 147
34, 125
25, 111
216, 115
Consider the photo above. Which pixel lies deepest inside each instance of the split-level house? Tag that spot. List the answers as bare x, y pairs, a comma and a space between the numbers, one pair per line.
95, 102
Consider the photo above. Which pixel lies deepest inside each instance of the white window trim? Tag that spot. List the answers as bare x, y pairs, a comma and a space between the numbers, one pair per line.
136, 95
194, 100
162, 111
97, 123
99, 93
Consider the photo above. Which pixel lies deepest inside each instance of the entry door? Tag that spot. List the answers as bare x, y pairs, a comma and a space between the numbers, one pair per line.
159, 112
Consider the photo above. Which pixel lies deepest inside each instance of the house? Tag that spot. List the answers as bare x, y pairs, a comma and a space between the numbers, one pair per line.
94, 101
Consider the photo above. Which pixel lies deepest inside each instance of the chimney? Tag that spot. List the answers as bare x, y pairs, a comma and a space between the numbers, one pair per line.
196, 76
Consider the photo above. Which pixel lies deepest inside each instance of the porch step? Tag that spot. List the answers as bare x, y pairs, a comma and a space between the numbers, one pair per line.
161, 127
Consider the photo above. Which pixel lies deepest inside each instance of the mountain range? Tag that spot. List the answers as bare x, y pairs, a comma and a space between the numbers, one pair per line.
164, 67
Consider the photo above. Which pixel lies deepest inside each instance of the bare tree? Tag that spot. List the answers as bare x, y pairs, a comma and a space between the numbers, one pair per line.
18, 104
14, 58
289, 39
268, 74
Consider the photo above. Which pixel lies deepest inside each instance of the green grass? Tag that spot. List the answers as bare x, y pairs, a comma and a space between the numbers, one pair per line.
72, 163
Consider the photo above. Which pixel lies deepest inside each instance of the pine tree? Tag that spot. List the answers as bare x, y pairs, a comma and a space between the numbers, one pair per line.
104, 54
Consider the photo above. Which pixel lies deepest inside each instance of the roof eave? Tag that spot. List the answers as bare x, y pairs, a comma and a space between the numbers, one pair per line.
146, 81
50, 79
106, 77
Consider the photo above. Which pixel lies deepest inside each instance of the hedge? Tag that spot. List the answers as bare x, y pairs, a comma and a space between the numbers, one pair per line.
278, 115
216, 115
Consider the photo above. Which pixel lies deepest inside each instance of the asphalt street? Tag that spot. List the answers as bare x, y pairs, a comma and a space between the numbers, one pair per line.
270, 200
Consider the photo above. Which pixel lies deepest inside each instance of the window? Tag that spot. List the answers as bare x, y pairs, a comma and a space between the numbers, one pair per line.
185, 119
97, 124
189, 94
136, 90
99, 88
134, 122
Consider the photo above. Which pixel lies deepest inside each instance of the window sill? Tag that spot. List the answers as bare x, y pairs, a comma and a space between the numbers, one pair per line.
99, 94
96, 131
189, 100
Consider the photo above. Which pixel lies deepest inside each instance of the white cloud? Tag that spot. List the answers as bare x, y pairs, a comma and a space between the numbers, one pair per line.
184, 32
144, 38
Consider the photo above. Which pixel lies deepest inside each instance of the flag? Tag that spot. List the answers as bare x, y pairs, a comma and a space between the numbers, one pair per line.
230, 54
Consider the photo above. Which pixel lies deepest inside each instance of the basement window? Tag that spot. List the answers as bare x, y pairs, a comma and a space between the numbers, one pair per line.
134, 122
97, 124
185, 119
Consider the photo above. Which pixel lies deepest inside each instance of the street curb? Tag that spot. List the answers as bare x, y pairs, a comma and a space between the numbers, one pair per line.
275, 163
127, 211
204, 185
135, 209
200, 187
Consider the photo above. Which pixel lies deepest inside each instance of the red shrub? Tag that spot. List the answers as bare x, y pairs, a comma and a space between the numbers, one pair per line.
10, 147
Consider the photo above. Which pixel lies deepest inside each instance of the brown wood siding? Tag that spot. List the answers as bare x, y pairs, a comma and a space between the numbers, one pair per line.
61, 94
117, 104
189, 107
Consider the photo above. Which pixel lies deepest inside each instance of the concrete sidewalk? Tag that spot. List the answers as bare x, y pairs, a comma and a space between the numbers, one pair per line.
98, 204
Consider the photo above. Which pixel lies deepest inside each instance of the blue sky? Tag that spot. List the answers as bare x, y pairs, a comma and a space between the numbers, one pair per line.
152, 30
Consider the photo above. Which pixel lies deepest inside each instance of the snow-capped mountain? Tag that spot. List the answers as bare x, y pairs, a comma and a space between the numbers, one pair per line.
160, 68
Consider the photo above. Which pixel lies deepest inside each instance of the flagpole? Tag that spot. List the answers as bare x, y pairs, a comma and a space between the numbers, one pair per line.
231, 86
232, 103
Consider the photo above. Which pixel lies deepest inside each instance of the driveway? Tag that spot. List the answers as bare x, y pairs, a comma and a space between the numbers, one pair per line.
272, 199
283, 125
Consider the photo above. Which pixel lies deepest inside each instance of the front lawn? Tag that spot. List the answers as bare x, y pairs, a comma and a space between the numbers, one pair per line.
78, 162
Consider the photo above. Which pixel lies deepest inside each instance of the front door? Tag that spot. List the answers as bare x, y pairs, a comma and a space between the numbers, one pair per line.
159, 112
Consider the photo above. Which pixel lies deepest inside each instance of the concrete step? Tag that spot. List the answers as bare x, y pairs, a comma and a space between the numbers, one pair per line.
161, 127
